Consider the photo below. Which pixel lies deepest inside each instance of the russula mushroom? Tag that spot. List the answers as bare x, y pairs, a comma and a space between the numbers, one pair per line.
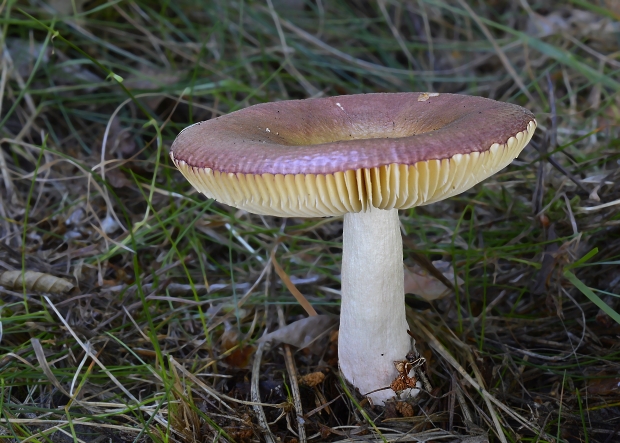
365, 157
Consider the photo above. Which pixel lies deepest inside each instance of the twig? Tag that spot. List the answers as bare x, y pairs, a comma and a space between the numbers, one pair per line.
258, 356
596, 208
453, 388
180, 289
292, 372
4, 170
290, 286
76, 420
325, 405
490, 306
255, 395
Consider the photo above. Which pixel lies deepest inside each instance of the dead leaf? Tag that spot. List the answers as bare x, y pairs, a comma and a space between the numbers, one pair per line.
420, 282
604, 386
117, 179
301, 333
602, 318
152, 79
313, 379
405, 409
35, 281
239, 357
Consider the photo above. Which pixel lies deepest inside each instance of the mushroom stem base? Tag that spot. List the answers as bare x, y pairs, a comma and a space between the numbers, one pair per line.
373, 327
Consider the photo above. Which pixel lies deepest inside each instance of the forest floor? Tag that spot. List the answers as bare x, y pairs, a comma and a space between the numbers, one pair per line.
131, 307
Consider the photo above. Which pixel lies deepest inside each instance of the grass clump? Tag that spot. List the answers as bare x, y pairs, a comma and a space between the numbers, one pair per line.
134, 305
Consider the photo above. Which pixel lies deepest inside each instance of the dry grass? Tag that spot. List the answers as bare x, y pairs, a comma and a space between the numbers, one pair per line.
152, 334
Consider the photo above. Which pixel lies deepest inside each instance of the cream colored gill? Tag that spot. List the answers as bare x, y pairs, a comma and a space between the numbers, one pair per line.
385, 187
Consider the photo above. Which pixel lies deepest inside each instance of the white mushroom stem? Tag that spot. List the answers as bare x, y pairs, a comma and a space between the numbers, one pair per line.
373, 327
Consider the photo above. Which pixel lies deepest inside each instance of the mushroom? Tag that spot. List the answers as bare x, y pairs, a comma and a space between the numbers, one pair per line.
365, 157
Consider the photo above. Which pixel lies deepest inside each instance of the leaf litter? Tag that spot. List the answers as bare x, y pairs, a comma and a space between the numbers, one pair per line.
132, 309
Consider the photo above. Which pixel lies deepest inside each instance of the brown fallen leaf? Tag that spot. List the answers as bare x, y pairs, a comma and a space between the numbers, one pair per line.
152, 80
35, 281
420, 282
312, 379
117, 178
239, 357
602, 318
405, 409
302, 333
604, 386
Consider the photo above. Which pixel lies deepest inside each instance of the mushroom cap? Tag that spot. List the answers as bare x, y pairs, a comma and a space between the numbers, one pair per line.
330, 156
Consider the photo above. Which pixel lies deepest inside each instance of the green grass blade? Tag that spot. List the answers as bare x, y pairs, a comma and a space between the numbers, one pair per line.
592, 296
